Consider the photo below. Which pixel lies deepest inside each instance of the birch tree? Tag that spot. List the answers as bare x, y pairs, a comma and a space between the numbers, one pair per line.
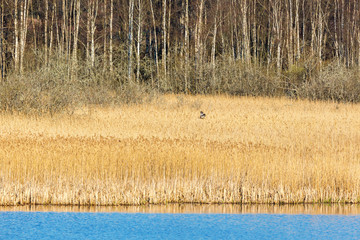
164, 39
186, 46
155, 40
24, 10
213, 49
277, 23
16, 37
130, 38
76, 17
2, 41
246, 40
198, 43
46, 31
254, 32
105, 23
139, 39
50, 50
297, 31
320, 32
93, 15
111, 35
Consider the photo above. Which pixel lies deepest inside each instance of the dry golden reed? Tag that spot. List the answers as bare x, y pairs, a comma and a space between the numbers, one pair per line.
246, 150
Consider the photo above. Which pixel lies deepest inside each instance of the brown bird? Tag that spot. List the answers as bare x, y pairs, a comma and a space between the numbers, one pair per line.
202, 115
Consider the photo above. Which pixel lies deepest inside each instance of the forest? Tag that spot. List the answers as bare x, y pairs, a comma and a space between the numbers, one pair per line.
58, 52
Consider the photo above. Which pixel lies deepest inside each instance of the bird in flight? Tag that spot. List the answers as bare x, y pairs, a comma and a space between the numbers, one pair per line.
202, 115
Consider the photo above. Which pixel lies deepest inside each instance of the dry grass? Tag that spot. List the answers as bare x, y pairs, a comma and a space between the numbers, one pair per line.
247, 150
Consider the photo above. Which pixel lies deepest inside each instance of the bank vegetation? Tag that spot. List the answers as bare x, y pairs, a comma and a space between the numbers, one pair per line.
246, 150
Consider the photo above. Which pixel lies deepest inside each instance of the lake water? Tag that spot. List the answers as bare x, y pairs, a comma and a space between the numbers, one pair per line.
143, 223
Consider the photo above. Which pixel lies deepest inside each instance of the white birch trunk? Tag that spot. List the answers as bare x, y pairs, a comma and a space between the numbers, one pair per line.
139, 39
2, 43
130, 38
16, 33
105, 58
76, 33
313, 29
92, 31
23, 31
168, 57
164, 40
63, 30
88, 27
155, 38
297, 31
320, 32
46, 31
291, 34
213, 49
111, 36
52, 29
246, 40
186, 48
254, 26
198, 44
278, 30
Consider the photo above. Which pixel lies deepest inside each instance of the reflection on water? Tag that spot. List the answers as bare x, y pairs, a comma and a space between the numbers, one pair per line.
339, 209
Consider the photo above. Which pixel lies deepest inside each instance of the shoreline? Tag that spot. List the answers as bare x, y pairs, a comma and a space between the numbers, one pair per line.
174, 208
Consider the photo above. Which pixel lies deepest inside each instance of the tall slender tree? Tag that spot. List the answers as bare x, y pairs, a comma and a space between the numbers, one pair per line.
130, 38
164, 40
139, 39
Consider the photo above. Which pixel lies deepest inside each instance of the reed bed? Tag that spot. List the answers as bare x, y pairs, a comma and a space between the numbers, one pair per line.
246, 150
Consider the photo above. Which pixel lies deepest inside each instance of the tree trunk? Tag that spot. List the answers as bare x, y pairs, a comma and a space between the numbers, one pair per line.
357, 29
353, 31
290, 34
342, 20
168, 38
105, 59
77, 10
278, 29
52, 29
198, 44
246, 41
297, 31
63, 30
213, 49
23, 31
111, 36
46, 32
320, 32
254, 35
156, 45
2, 41
235, 42
16, 33
303, 29
94, 12
164, 40
58, 37
270, 37
139, 39
130, 38
69, 37
313, 29
88, 27
186, 48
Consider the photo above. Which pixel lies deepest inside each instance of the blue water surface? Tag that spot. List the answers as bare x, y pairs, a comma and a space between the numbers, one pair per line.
72, 225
